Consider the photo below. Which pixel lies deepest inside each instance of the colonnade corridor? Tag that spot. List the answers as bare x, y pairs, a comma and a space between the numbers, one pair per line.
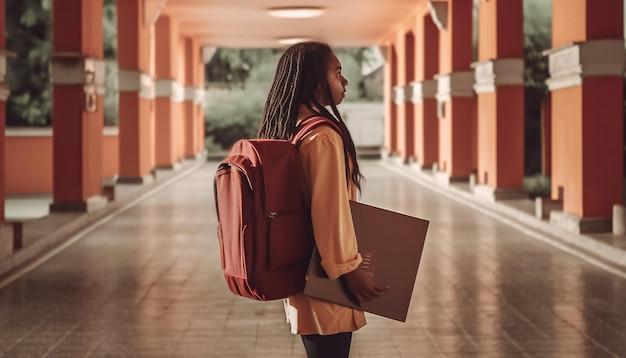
148, 283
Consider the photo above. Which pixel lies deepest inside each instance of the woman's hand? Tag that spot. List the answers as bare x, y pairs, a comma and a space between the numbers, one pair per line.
362, 285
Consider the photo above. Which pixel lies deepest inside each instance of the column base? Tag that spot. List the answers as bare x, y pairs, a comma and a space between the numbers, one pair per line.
579, 225
91, 204
421, 168
108, 187
400, 161
368, 152
544, 206
174, 166
146, 179
388, 157
194, 156
495, 194
445, 179
6, 240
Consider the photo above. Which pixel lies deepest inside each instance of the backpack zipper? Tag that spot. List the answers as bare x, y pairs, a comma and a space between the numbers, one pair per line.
227, 165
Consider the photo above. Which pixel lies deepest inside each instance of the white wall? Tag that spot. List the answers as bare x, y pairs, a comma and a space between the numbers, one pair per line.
365, 122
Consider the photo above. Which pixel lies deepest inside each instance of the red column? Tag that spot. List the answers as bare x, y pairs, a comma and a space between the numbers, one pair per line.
546, 137
390, 106
191, 113
499, 76
4, 93
408, 149
456, 103
586, 84
200, 103
169, 93
77, 75
136, 92
400, 98
426, 151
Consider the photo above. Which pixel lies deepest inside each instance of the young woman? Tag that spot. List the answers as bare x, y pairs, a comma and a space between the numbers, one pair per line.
307, 81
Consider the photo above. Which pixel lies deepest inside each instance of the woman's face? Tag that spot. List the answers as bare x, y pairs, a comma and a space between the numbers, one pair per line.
336, 81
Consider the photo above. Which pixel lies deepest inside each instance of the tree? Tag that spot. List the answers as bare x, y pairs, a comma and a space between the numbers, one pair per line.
537, 38
29, 32
111, 95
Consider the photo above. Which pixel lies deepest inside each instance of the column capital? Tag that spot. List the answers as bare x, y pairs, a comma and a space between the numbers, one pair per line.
570, 63
400, 94
423, 89
456, 84
136, 81
195, 95
500, 72
69, 68
169, 88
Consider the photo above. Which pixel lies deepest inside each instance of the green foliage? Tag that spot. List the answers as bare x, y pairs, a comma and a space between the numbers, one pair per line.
351, 70
28, 32
240, 80
537, 185
237, 115
262, 73
111, 95
109, 28
29, 35
233, 66
537, 38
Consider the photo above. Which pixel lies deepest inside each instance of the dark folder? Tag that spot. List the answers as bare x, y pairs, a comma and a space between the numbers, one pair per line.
391, 245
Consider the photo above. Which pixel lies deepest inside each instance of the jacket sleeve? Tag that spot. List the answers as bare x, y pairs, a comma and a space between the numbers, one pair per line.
323, 162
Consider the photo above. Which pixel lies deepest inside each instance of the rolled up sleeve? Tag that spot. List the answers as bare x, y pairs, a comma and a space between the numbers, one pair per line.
323, 162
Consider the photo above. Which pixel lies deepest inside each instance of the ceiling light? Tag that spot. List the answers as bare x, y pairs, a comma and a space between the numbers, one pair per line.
295, 12
292, 40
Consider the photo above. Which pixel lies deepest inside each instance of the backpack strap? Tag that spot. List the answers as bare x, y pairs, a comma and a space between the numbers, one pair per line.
308, 124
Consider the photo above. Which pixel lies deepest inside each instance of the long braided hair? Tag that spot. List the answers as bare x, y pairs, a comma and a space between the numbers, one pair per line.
300, 73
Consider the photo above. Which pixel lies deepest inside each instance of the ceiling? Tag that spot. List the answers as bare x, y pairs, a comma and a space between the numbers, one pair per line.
246, 23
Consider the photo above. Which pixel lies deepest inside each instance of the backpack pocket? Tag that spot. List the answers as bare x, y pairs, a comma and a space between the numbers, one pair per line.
288, 235
232, 254
233, 197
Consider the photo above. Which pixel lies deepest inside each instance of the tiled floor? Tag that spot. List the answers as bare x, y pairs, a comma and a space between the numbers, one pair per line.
148, 284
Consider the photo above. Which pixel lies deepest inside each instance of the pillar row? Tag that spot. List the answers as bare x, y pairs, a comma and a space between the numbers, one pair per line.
193, 105
499, 76
169, 92
77, 75
424, 92
405, 121
6, 230
136, 93
456, 104
586, 86
169, 122
390, 140
400, 98
194, 116
4, 94
586, 83
200, 104
457, 126
424, 99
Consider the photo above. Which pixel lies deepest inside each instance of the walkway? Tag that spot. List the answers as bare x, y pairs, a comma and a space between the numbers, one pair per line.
147, 283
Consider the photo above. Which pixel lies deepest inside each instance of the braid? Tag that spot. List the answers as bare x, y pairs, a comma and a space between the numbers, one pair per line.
300, 72
279, 108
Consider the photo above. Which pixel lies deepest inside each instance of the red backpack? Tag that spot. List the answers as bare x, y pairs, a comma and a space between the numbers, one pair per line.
264, 223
